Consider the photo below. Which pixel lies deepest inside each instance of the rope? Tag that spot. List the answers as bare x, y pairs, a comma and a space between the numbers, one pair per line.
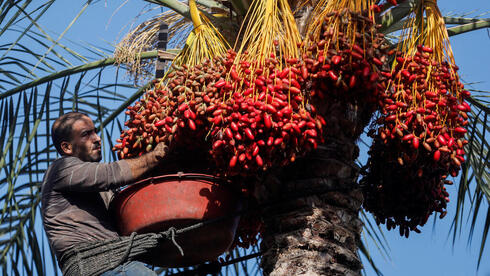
128, 249
172, 231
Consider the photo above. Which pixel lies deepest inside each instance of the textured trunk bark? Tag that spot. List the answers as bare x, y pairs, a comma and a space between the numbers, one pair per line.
317, 234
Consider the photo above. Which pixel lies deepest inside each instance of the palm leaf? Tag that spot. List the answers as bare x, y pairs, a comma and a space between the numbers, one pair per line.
20, 25
64, 32
69, 71
476, 172
44, 8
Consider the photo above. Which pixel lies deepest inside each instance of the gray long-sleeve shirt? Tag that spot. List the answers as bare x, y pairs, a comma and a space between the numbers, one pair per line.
75, 199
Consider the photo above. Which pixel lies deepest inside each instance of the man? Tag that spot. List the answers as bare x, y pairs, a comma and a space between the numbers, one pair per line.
76, 190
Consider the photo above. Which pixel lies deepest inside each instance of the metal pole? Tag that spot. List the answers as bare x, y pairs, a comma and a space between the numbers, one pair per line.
161, 46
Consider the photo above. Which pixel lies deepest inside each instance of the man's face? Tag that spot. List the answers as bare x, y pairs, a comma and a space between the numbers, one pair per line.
85, 141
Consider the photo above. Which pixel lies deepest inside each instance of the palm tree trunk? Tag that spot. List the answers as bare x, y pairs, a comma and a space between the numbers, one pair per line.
317, 234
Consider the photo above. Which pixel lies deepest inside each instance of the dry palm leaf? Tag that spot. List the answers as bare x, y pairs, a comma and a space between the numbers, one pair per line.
144, 38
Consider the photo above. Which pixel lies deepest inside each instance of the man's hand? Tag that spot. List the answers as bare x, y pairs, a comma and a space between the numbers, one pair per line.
160, 151
147, 162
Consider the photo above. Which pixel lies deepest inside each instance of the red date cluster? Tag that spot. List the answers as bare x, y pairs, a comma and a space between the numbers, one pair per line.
263, 121
403, 195
349, 59
420, 138
247, 123
175, 113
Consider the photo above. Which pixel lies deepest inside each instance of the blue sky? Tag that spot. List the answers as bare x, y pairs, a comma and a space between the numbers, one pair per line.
428, 253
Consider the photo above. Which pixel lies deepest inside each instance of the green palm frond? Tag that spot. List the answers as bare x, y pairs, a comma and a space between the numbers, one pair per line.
373, 234
70, 71
85, 6
464, 25
23, 29
43, 8
395, 15
476, 171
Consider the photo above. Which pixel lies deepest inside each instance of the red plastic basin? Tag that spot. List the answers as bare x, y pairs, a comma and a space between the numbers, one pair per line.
180, 200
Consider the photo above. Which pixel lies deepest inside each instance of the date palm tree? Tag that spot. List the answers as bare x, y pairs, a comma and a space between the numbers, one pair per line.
317, 234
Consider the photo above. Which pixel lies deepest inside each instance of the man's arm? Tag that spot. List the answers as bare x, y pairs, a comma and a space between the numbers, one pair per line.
74, 175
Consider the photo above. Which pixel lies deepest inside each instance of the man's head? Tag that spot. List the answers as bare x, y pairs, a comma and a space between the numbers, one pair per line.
74, 134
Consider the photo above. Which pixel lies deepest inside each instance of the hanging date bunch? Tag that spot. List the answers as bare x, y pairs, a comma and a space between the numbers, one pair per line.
175, 113
264, 120
420, 134
146, 125
346, 56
